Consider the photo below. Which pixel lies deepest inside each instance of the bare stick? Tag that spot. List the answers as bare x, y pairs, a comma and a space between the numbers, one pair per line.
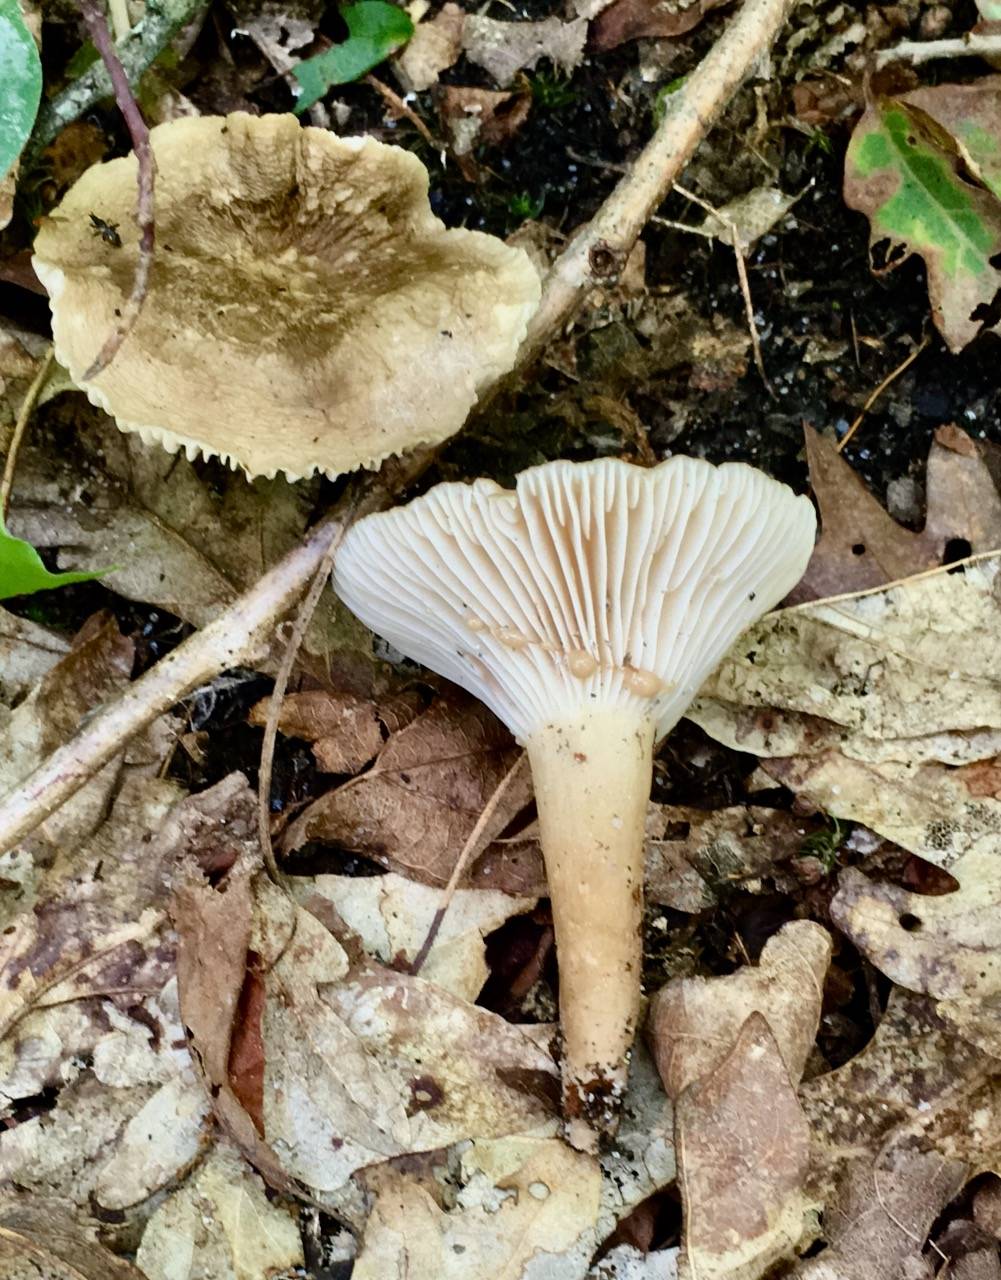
396, 103
239, 635
127, 105
20, 426
597, 253
489, 809
917, 51
887, 381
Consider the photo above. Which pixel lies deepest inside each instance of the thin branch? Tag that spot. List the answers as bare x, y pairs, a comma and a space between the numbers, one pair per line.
597, 253
97, 25
887, 381
396, 103
162, 21
918, 51
473, 839
20, 426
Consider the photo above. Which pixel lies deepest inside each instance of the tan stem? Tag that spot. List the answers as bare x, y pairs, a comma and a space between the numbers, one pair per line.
592, 784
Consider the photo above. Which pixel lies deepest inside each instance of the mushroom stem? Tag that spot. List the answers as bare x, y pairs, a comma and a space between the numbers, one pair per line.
592, 775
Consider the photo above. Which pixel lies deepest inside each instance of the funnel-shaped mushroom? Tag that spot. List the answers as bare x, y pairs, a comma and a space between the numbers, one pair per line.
585, 609
306, 310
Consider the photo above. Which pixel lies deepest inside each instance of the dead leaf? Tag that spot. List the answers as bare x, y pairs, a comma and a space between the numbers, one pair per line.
415, 807
28, 652
344, 730
505, 48
646, 19
434, 47
694, 1022
627, 1263
39, 1240
526, 1208
861, 546
743, 1154
392, 916
220, 1226
482, 117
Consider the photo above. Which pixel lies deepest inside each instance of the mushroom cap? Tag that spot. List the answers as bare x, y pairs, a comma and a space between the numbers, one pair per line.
597, 584
306, 309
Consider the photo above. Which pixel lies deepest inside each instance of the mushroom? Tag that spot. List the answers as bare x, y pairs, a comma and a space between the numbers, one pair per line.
585, 608
306, 311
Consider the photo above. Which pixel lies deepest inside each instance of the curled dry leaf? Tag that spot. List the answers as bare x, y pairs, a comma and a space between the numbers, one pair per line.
392, 917
743, 1153
646, 19
505, 48
344, 730
414, 809
694, 1022
434, 47
482, 117
526, 1210
862, 546
224, 1224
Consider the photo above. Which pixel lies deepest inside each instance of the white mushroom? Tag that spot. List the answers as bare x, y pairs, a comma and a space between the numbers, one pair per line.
585, 609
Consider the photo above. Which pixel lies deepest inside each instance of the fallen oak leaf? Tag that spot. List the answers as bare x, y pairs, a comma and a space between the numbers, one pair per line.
743, 1154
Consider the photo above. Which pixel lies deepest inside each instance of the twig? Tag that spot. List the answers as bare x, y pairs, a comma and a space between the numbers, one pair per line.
599, 251
400, 107
20, 426
489, 809
127, 105
237, 636
887, 381
147, 40
918, 51
121, 23
302, 621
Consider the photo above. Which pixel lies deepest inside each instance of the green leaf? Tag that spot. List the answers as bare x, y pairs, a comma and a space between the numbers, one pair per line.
22, 571
20, 84
375, 30
907, 175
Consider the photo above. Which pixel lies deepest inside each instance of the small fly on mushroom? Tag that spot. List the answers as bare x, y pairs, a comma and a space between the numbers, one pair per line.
108, 231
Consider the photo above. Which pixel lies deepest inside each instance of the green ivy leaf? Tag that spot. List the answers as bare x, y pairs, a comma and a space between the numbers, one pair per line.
22, 572
904, 171
375, 30
20, 84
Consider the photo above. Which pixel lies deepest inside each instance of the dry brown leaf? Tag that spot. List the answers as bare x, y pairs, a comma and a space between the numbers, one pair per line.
434, 47
646, 19
364, 1064
482, 117
223, 1226
695, 1022
743, 1154
415, 807
526, 1210
40, 1240
28, 652
862, 546
344, 730
505, 48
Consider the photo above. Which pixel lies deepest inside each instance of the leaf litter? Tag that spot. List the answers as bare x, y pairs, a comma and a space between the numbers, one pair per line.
194, 1061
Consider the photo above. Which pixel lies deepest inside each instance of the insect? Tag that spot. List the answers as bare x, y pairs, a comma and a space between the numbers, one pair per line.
108, 231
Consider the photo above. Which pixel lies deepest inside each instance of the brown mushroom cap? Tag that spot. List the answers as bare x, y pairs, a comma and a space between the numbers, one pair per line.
307, 311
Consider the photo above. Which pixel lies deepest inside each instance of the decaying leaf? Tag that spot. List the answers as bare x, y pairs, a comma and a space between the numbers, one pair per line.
392, 916
505, 48
224, 1227
862, 546
28, 651
344, 730
743, 1154
695, 1022
415, 807
482, 117
646, 19
434, 47
526, 1209
40, 1240
905, 173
